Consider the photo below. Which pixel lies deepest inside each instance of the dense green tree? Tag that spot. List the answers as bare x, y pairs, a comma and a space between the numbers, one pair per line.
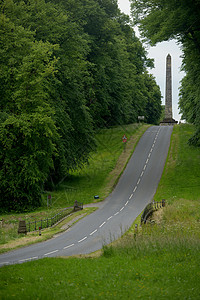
27, 129
153, 106
163, 20
117, 59
50, 23
66, 67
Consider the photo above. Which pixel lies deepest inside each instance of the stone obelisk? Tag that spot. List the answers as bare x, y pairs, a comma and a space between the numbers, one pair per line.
168, 92
168, 120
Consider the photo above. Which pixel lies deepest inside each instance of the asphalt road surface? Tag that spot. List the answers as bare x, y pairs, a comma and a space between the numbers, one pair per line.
133, 192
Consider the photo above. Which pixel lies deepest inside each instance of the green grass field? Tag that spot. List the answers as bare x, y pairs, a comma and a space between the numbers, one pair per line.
148, 274
162, 261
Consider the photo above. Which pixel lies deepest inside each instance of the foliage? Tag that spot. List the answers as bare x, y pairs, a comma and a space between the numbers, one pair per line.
26, 147
164, 20
27, 129
190, 90
67, 68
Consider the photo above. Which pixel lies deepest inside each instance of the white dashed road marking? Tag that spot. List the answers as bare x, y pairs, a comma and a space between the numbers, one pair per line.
51, 252
27, 259
102, 224
23, 260
68, 246
82, 239
93, 232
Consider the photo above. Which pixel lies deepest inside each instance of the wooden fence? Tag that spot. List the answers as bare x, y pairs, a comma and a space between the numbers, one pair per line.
150, 208
49, 222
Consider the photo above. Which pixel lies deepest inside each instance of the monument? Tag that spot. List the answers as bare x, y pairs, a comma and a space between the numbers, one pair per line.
168, 120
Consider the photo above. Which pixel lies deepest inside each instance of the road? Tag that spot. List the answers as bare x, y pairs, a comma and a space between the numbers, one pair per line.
133, 192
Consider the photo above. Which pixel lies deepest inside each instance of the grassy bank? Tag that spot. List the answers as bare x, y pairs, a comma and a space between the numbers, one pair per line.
160, 262
181, 176
105, 165
96, 178
147, 274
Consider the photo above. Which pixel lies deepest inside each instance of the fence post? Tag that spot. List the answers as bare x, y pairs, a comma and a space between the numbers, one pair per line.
35, 225
136, 231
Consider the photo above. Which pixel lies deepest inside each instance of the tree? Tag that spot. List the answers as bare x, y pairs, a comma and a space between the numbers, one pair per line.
27, 129
49, 23
163, 20
66, 67
153, 107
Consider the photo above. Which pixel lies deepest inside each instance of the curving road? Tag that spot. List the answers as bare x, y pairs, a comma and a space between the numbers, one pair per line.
134, 190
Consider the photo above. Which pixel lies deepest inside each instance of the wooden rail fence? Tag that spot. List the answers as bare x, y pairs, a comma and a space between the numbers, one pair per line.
49, 222
150, 208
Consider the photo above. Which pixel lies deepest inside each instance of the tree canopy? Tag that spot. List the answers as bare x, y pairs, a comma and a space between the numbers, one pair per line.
67, 68
161, 20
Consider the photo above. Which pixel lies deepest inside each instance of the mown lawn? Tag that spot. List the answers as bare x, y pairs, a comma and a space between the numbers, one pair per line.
148, 274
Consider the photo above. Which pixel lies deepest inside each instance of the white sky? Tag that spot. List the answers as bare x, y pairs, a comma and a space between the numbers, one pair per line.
159, 53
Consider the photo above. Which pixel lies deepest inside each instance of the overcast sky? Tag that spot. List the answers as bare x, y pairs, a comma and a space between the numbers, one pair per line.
159, 53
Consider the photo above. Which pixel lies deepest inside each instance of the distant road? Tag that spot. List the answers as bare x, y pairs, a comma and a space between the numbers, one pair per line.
133, 192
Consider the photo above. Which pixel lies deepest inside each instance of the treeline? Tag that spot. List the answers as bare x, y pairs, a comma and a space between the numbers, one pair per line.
163, 20
67, 67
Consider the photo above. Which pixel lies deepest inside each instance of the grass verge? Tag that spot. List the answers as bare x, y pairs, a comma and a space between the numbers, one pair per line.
33, 237
181, 176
